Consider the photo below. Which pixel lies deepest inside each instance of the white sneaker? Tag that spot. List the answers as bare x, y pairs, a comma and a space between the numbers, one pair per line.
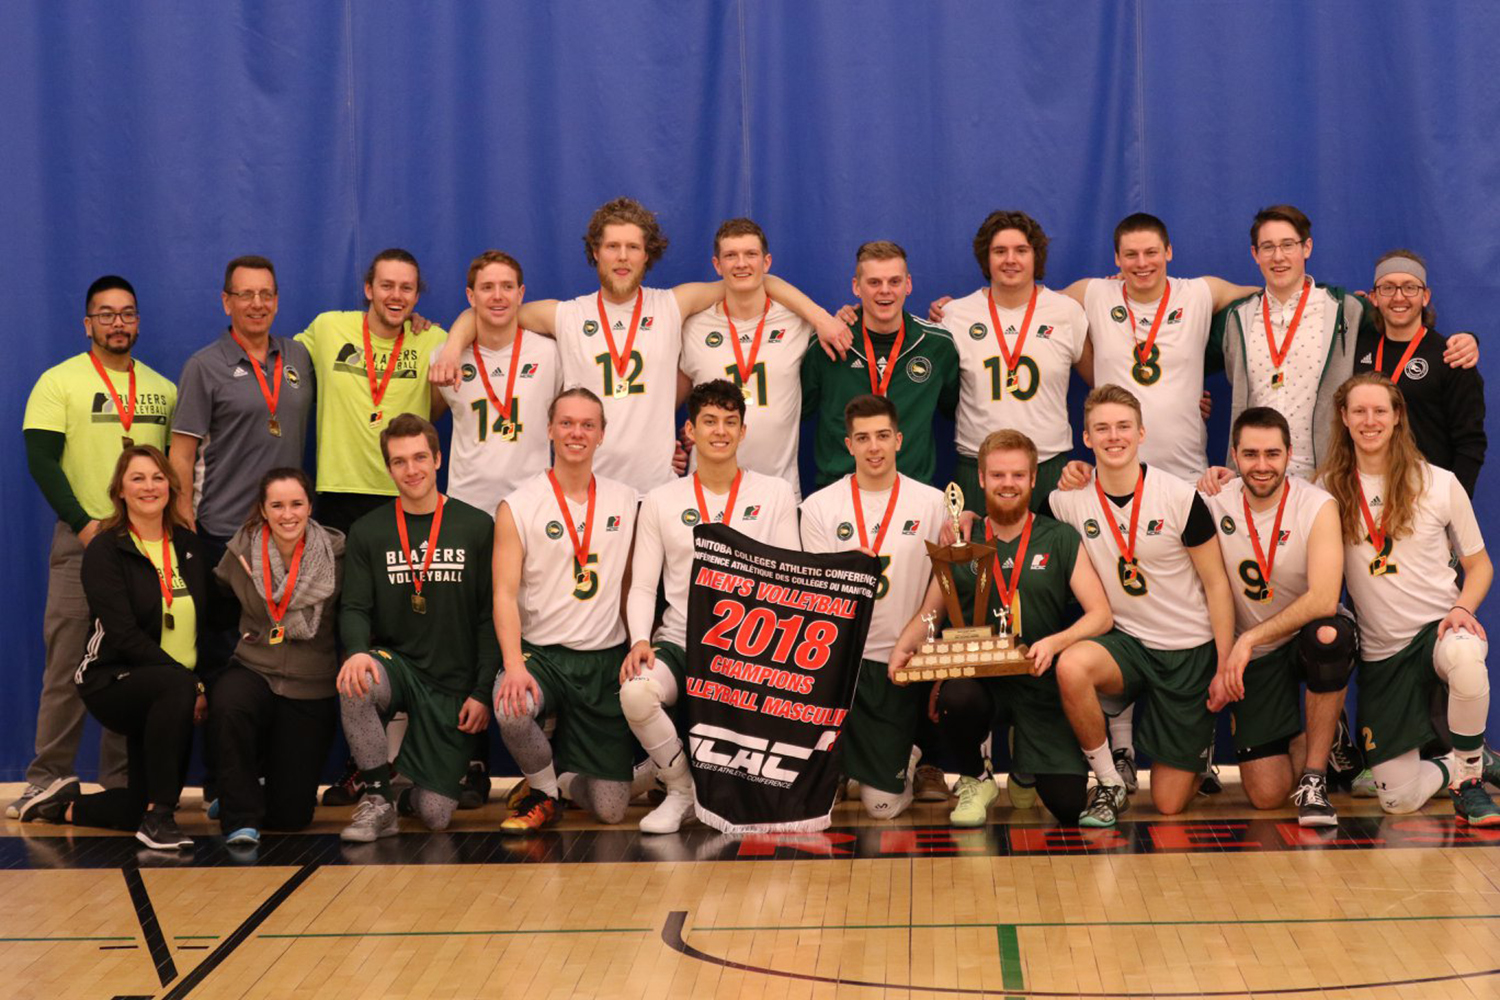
13, 811
1363, 786
374, 817
671, 814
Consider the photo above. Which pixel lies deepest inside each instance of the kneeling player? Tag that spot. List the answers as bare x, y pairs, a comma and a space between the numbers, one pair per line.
1038, 567
1281, 544
562, 548
1400, 516
762, 507
1151, 539
891, 516
416, 623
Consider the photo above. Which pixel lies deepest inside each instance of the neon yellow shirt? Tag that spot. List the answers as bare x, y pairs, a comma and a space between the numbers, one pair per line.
180, 642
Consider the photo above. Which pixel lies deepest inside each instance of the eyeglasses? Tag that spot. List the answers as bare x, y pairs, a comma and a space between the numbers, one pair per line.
1409, 290
108, 317
1285, 246
249, 297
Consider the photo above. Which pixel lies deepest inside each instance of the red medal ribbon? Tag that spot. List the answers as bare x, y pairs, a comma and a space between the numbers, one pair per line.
1012, 358
1377, 535
734, 491
1278, 358
616, 358
272, 397
580, 548
126, 410
1400, 365
885, 519
1265, 562
163, 575
278, 611
878, 388
1128, 551
510, 378
1143, 350
1008, 592
745, 368
378, 393
432, 537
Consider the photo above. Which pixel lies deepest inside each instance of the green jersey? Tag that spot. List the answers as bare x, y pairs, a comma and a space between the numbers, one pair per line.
72, 400
349, 419
924, 382
451, 640
1046, 597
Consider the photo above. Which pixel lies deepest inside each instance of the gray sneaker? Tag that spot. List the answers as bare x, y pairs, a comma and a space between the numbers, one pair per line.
374, 817
13, 811
1106, 803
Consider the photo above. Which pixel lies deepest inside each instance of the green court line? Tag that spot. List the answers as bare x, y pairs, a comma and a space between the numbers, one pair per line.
1106, 923
486, 933
196, 937
100, 937
1011, 975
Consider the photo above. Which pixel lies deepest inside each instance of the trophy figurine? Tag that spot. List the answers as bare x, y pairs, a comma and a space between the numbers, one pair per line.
965, 650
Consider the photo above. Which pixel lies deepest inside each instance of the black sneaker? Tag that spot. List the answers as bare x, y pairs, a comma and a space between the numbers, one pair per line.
1125, 768
1313, 807
159, 830
1344, 761
50, 805
348, 790
475, 787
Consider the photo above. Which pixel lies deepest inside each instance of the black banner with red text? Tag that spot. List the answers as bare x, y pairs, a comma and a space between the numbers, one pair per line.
774, 638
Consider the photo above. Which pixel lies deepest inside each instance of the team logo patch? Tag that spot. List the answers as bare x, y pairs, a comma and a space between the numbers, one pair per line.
751, 512
529, 371
1154, 527
1416, 369
777, 336
1175, 316
1226, 524
1091, 528
1118, 314
554, 529
1284, 537
613, 523
1044, 331
469, 371
293, 377
645, 322
919, 369
714, 338
979, 331
1039, 561
911, 527
690, 517
845, 531
590, 327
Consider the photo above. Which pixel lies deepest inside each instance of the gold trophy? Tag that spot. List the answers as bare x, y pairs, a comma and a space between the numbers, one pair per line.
976, 650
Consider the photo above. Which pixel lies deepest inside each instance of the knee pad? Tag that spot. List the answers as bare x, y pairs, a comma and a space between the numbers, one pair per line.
1327, 665
1460, 660
1406, 783
640, 699
884, 805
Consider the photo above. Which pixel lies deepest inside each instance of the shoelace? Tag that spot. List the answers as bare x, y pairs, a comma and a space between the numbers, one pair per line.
1310, 793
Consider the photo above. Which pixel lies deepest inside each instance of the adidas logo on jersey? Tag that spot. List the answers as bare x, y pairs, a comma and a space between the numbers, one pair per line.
751, 512
1039, 561
1009, 563
1154, 527
240, 371
1367, 359
857, 363
911, 527
621, 326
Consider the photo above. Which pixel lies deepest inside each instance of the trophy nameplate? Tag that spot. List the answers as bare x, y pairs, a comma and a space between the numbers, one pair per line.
965, 650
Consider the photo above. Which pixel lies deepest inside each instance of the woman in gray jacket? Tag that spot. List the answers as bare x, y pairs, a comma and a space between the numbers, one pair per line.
274, 710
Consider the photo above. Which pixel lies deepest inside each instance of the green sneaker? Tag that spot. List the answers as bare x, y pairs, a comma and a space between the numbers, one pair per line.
1473, 805
1491, 767
1363, 786
975, 796
1106, 804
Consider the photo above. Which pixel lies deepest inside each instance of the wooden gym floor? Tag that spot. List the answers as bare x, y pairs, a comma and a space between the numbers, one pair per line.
1220, 902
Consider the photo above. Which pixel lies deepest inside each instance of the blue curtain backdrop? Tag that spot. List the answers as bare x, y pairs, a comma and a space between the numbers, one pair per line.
159, 138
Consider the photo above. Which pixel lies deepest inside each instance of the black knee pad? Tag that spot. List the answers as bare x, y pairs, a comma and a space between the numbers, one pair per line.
1275, 748
1327, 666
965, 702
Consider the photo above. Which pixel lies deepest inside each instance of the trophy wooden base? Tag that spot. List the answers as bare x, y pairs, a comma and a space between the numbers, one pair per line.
944, 659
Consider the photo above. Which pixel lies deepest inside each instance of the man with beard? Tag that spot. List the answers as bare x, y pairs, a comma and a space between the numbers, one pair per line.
1039, 570
1281, 547
626, 340
78, 417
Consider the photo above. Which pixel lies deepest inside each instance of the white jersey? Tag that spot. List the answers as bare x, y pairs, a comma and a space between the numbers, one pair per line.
764, 509
1165, 607
773, 393
490, 455
1416, 583
557, 607
1038, 406
1170, 382
1295, 394
640, 430
1253, 601
829, 525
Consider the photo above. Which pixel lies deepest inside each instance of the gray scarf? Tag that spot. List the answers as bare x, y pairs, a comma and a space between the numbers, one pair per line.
315, 580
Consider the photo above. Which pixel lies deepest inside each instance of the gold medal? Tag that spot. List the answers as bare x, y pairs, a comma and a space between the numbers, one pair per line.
1012, 381
419, 604
1278, 379
274, 426
582, 579
620, 389
507, 431
276, 635
374, 418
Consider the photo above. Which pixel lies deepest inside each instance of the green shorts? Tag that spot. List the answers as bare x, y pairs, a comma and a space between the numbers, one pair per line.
582, 689
435, 754
1271, 709
966, 475
1178, 728
881, 727
1044, 742
675, 659
1394, 695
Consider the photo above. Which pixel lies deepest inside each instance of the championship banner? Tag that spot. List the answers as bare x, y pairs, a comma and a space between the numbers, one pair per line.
774, 638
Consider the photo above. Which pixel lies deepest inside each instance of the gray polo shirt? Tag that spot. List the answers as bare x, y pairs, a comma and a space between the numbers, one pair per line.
219, 402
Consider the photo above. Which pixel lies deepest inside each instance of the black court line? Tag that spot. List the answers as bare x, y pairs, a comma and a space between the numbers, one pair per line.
211, 962
145, 914
671, 935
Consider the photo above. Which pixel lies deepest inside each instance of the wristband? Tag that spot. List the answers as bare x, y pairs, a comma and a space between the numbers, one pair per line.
1460, 607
